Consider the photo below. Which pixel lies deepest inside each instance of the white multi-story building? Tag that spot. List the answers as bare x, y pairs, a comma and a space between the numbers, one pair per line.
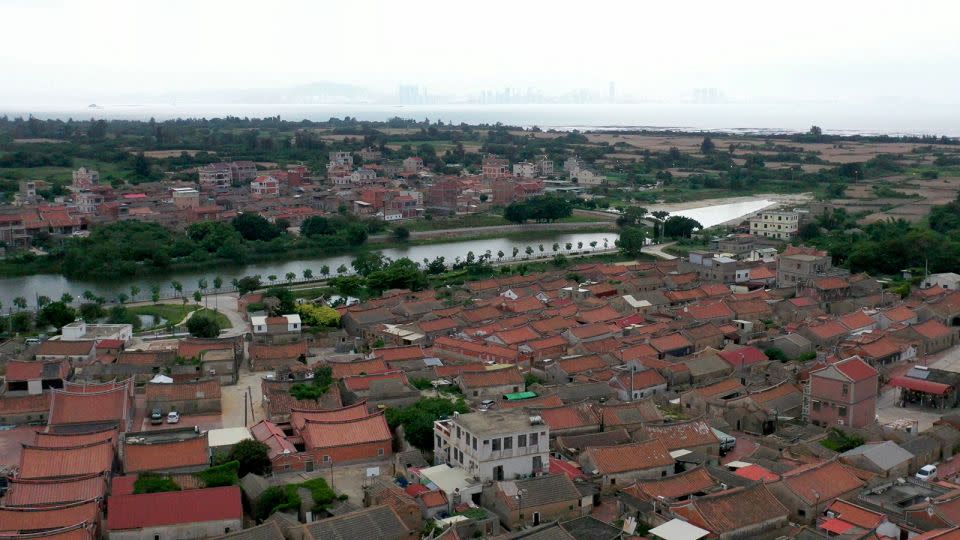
215, 174
184, 197
493, 445
544, 166
777, 224
362, 176
947, 280
525, 169
586, 177
265, 186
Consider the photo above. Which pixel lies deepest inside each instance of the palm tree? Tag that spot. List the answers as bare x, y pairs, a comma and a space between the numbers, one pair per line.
342, 269
217, 282
177, 286
515, 251
593, 245
42, 301
290, 276
528, 251
202, 287
235, 282
122, 298
540, 247
500, 255
66, 298
155, 293
89, 296
661, 216
579, 245
272, 278
134, 291
307, 273
569, 246
20, 302
324, 271
606, 243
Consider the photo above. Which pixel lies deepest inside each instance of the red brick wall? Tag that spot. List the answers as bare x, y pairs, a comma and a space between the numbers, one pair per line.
340, 455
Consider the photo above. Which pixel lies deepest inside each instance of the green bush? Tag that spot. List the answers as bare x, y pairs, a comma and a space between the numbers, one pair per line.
322, 495
278, 499
154, 483
221, 475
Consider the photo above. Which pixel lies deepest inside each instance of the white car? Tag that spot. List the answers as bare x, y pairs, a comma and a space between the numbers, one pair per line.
927, 472
173, 417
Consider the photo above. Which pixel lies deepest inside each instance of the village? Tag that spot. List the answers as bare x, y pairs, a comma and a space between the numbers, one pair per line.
735, 393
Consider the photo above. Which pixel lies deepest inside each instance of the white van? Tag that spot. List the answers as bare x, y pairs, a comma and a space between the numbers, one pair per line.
927, 473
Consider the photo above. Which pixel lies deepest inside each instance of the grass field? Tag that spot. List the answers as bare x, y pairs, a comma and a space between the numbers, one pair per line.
174, 313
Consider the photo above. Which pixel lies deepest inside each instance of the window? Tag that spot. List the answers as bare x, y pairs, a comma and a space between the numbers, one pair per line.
816, 405
846, 389
467, 437
379, 451
474, 443
326, 459
496, 445
842, 411
801, 512
486, 442
458, 432
534, 439
508, 443
521, 441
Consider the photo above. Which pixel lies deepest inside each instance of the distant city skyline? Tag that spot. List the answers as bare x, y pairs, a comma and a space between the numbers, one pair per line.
110, 51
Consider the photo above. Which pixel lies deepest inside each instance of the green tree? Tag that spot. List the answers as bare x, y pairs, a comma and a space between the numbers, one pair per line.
134, 292
217, 283
89, 296
342, 269
631, 241
56, 314
252, 455
247, 284
177, 286
20, 303
324, 271
707, 147
317, 226
197, 296
528, 251
290, 276
122, 298
42, 300
401, 233
680, 227
307, 273
66, 298
155, 293
141, 166
368, 262
500, 255
417, 419
203, 324
271, 278
253, 226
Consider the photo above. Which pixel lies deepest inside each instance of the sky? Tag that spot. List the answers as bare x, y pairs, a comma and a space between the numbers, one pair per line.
64, 52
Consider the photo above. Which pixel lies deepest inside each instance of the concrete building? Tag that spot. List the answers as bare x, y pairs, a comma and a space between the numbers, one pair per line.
494, 445
948, 280
801, 265
525, 169
84, 178
175, 515
265, 186
778, 224
184, 198
843, 394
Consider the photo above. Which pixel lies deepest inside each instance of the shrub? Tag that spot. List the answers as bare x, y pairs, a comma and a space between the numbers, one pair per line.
203, 325
154, 483
251, 456
221, 475
277, 499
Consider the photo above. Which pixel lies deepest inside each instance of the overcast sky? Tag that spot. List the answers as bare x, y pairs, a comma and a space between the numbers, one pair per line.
73, 51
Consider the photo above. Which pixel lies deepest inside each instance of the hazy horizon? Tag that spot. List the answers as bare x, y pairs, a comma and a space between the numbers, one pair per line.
58, 53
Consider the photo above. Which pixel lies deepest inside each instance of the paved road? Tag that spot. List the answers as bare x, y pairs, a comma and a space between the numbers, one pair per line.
657, 250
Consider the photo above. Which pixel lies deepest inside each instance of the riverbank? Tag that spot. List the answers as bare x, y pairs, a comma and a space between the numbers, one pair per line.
774, 198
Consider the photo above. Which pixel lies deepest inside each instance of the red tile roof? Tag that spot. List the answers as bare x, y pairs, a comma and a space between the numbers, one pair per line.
757, 473
287, 351
480, 350
673, 487
670, 343
393, 354
724, 387
829, 283
552, 400
371, 428
517, 335
856, 369
734, 510
553, 324
857, 515
433, 499
65, 348
21, 371
626, 414
821, 482
647, 378
493, 377
183, 391
39, 403
173, 508
569, 417
357, 367
708, 311
71, 440
23, 492
636, 352
932, 329
166, 456
547, 343
828, 330
29, 520
743, 357
686, 435
365, 382
601, 314
804, 250
194, 348
856, 320
299, 417
920, 385
629, 457
38, 462
580, 364
111, 406
900, 314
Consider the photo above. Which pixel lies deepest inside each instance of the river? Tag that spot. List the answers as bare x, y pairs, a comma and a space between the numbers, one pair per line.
55, 285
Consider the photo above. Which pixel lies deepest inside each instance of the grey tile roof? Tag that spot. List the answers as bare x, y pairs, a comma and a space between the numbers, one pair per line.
885, 455
379, 522
268, 531
541, 490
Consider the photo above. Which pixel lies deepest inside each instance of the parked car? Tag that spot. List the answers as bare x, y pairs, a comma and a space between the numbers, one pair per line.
927, 472
156, 417
487, 404
173, 417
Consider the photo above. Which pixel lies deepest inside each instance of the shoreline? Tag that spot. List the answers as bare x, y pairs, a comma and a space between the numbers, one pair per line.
774, 198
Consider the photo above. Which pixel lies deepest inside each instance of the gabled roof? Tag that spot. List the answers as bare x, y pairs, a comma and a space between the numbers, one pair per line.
580, 364
22, 492
366, 382
357, 367
21, 371
899, 314
127, 512
110, 406
538, 491
855, 369
493, 377
686, 435
183, 391
673, 487
625, 414
299, 417
629, 457
59, 347
821, 482
856, 320
72, 440
569, 417
388, 354
374, 522
518, 335
372, 428
856, 515
167, 455
670, 343
29, 520
36, 463
647, 378
743, 357
932, 329
734, 509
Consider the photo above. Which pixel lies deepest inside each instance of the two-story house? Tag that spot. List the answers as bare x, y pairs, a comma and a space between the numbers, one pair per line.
494, 445
844, 394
